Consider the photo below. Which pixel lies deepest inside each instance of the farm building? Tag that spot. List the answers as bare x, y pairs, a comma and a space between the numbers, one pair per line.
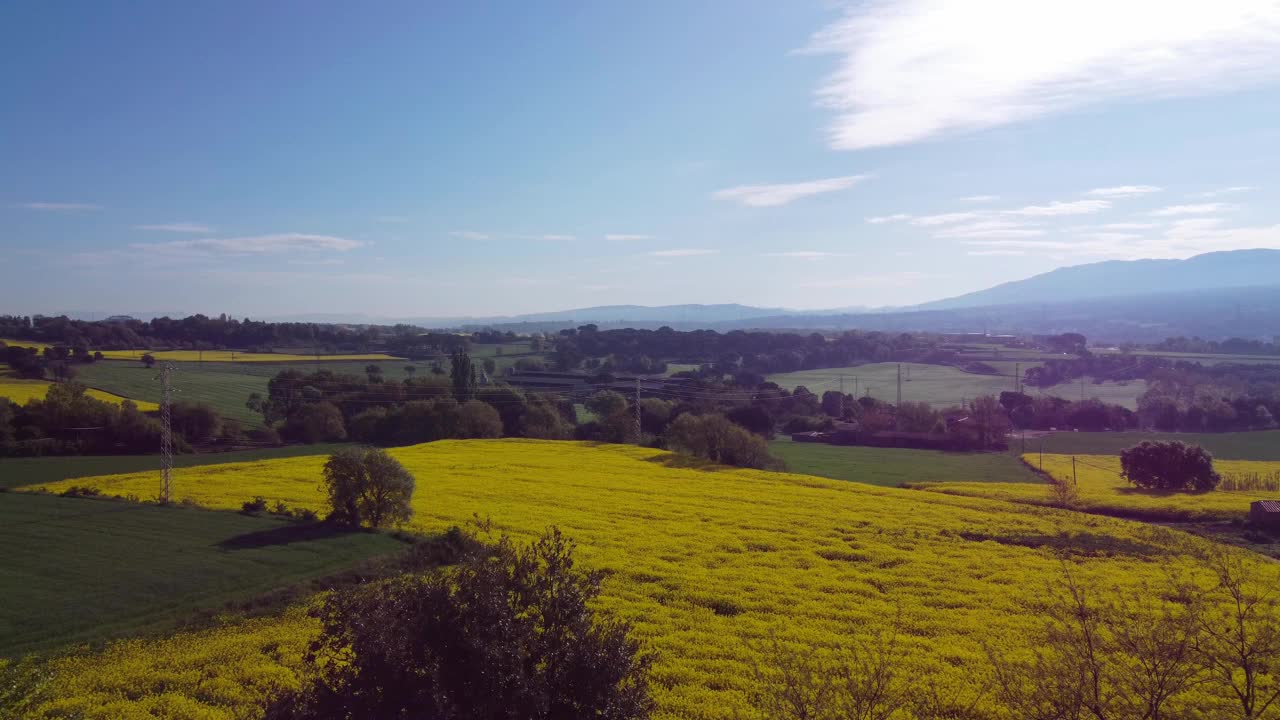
1265, 513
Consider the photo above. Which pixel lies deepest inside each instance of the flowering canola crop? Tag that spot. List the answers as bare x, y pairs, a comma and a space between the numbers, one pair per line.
1103, 490
706, 562
20, 391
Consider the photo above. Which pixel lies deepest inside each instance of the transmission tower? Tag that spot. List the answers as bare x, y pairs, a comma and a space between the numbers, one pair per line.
166, 433
639, 425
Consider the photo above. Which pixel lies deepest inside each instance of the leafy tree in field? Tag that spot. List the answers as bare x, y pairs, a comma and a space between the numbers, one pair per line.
507, 634
833, 403
543, 421
717, 439
462, 373
1169, 466
315, 422
490, 366
478, 419
373, 372
606, 403
149, 360
752, 417
196, 421
367, 486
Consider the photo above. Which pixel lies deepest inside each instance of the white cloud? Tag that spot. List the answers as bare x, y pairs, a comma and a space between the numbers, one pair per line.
917, 69
882, 219
1225, 191
775, 195
1198, 209
180, 227
981, 253
980, 198
990, 229
469, 235
683, 252
946, 218
1129, 226
807, 254
1055, 208
622, 237
59, 206
1181, 239
1124, 191
255, 245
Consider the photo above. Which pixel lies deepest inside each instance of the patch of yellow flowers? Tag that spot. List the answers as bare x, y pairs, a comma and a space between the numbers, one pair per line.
707, 562
1101, 489
21, 391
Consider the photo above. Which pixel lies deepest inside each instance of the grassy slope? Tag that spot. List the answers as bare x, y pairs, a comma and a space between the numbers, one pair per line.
16, 472
891, 467
707, 562
1102, 490
1258, 445
81, 569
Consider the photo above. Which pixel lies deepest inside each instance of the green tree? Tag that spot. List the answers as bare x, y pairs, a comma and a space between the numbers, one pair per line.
1169, 466
478, 419
149, 360
508, 633
366, 486
315, 422
462, 373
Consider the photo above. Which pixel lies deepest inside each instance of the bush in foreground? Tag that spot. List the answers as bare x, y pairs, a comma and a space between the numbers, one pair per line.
1169, 466
506, 634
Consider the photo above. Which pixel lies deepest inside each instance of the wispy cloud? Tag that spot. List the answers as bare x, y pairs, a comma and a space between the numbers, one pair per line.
782, 194
1121, 191
1196, 209
1053, 209
946, 218
1129, 226
59, 206
980, 198
623, 237
180, 227
469, 235
683, 252
255, 245
804, 254
882, 219
877, 280
1225, 191
1182, 238
990, 229
981, 253
556, 238
917, 69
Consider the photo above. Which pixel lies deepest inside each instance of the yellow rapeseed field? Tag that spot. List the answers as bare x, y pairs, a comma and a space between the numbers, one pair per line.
706, 562
20, 391
25, 343
1102, 490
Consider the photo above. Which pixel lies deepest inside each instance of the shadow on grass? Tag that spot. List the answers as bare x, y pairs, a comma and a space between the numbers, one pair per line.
285, 535
688, 462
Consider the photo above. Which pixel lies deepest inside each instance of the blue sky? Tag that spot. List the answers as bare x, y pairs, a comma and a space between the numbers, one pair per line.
437, 159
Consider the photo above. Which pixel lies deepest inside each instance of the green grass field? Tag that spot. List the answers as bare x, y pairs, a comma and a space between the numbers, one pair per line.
16, 472
942, 385
1258, 445
1202, 358
79, 570
891, 467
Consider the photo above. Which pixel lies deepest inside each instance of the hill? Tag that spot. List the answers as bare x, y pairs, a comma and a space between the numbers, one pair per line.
1120, 278
709, 562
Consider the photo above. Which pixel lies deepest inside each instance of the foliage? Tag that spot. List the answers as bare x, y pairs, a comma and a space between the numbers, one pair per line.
315, 423
509, 633
1169, 466
368, 486
477, 419
69, 421
462, 375
717, 439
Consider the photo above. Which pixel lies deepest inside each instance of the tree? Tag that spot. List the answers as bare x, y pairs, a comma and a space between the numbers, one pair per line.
490, 366
990, 423
373, 372
462, 373
149, 360
717, 439
1169, 466
540, 420
834, 403
196, 421
315, 422
366, 486
478, 419
410, 370
752, 417
606, 403
508, 633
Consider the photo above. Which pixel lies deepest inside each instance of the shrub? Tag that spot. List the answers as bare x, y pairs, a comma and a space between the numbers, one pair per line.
315, 422
508, 633
367, 485
256, 505
717, 439
1169, 466
478, 419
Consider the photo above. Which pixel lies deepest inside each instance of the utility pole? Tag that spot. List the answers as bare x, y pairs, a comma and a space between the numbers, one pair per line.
855, 387
1073, 471
166, 432
639, 427
1017, 377
899, 383
897, 410
842, 385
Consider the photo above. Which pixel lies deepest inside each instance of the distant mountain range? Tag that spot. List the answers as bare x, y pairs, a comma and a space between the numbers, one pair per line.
1215, 295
